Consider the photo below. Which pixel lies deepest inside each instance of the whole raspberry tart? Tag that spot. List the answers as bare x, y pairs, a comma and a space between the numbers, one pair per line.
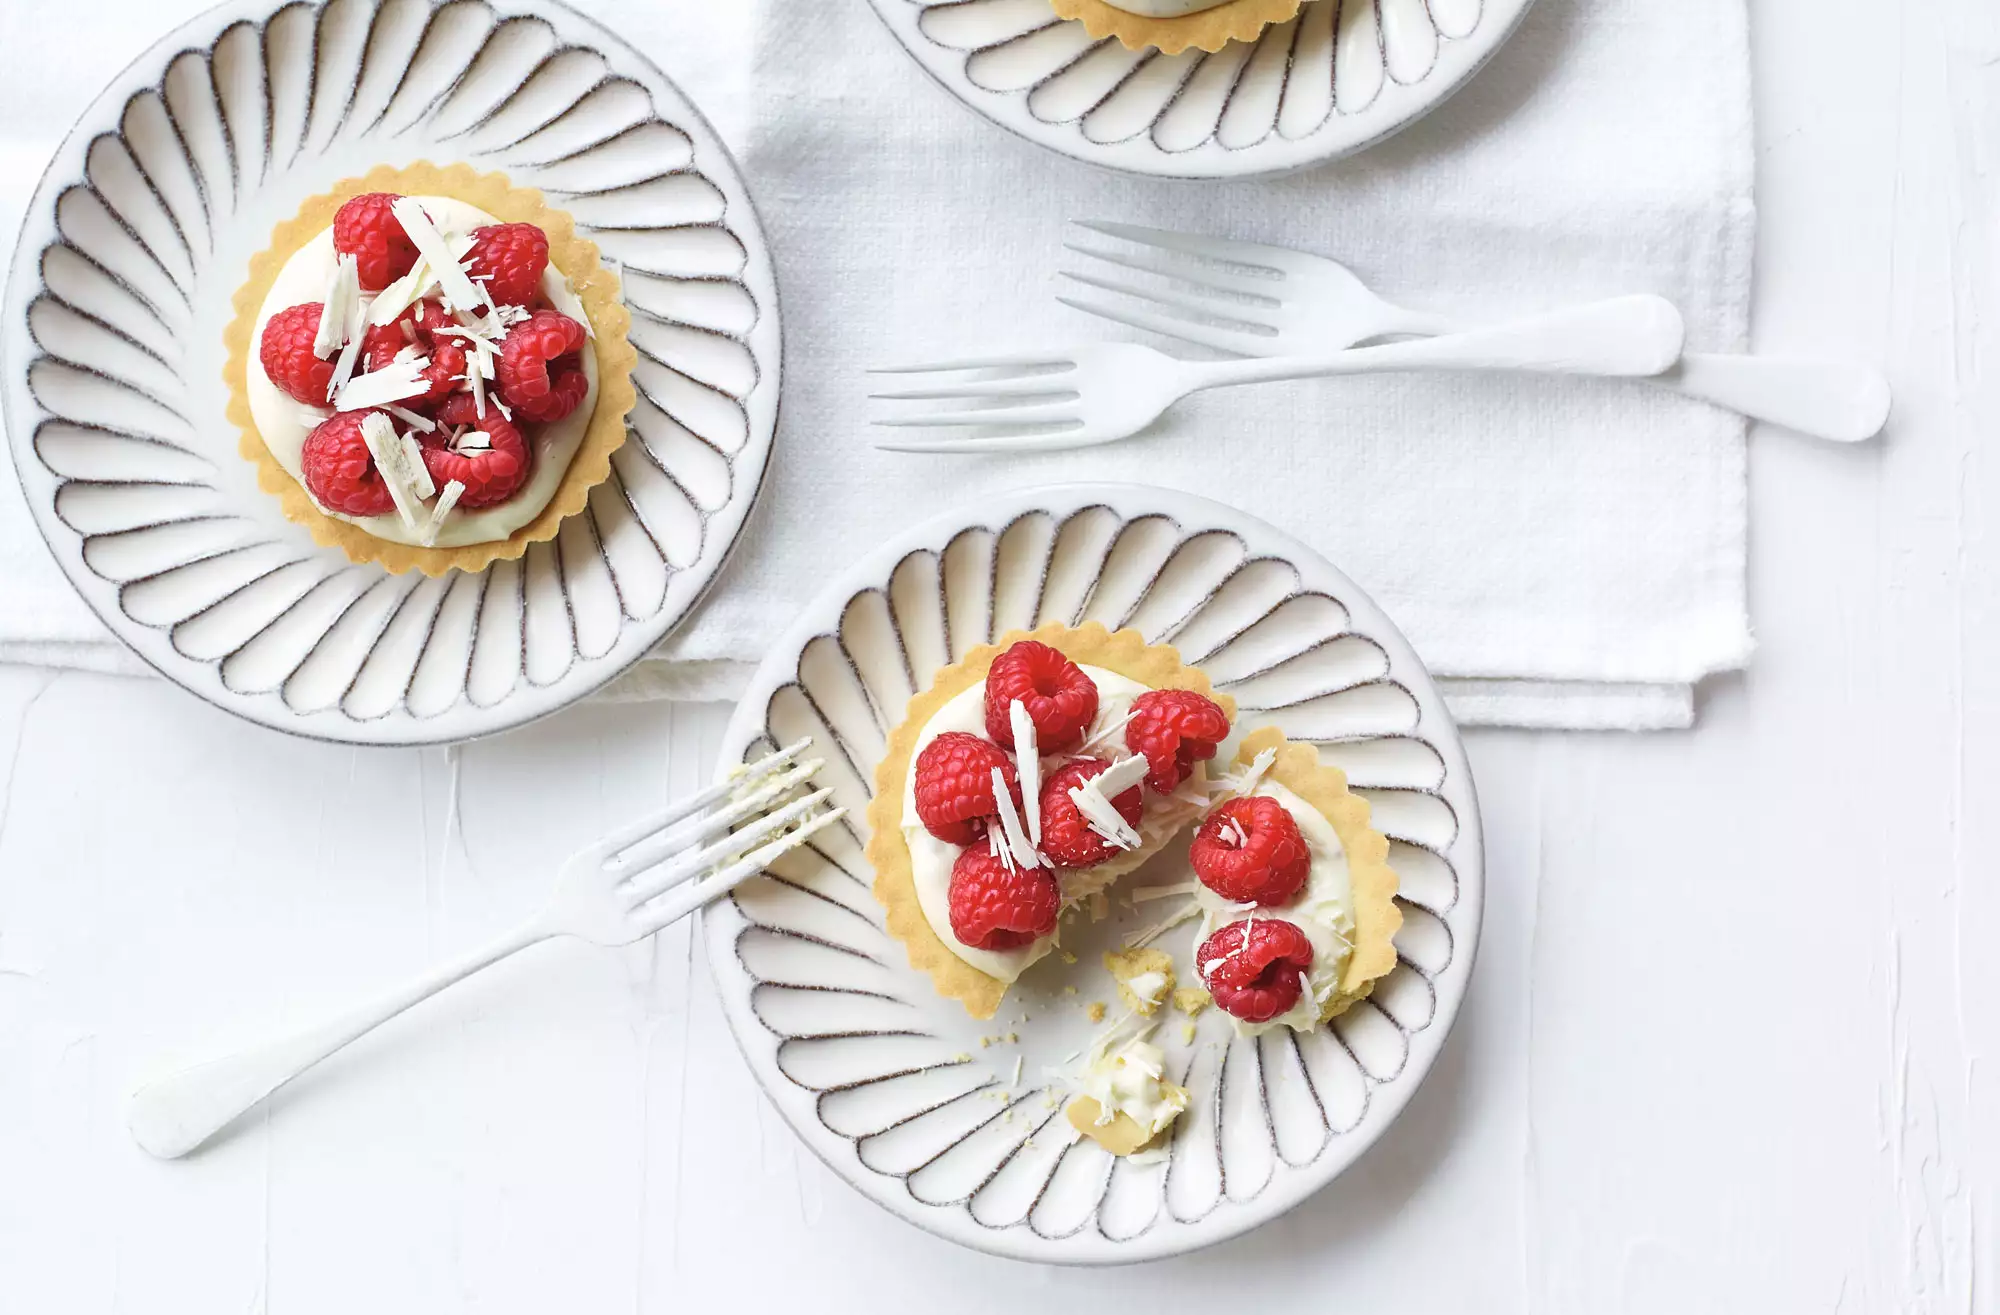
1173, 26
1028, 778
1298, 902
430, 369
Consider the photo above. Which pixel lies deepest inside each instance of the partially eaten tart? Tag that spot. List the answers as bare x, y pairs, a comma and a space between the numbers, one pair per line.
1037, 772
1172, 26
429, 368
1031, 776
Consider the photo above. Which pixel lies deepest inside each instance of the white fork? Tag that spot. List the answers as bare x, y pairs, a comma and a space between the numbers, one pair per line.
622, 889
1102, 392
1250, 299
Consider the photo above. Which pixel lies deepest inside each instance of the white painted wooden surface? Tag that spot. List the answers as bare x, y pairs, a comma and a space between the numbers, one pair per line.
1726, 1048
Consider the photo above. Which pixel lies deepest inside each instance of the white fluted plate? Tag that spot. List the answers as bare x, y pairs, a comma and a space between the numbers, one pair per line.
1341, 76
121, 287
892, 1086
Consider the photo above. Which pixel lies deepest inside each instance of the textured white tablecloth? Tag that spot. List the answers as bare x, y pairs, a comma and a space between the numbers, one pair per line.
1564, 553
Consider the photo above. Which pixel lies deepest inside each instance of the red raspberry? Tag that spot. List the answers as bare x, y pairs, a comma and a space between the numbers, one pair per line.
339, 472
1267, 865
286, 353
1067, 839
417, 327
510, 258
1255, 968
489, 477
1061, 700
1170, 729
365, 229
955, 786
995, 907
541, 367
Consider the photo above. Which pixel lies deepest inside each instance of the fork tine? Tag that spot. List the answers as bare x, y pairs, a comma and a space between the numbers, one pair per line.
1227, 250
1206, 310
681, 863
632, 833
645, 882
692, 830
1036, 414
663, 848
1171, 326
1048, 441
1015, 361
1201, 275
692, 896
1025, 386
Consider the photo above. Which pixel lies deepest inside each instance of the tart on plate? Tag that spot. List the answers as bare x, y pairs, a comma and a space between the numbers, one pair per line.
1027, 779
429, 368
1172, 26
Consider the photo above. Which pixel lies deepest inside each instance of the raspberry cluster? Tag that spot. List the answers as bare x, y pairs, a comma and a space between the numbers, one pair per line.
486, 371
966, 787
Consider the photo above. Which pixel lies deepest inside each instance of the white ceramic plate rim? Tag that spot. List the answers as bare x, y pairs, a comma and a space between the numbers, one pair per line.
527, 702
1457, 61
722, 922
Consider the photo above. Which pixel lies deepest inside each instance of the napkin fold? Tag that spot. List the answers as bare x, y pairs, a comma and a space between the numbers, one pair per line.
1562, 553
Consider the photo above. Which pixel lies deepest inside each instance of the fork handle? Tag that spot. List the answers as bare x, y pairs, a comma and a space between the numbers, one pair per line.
172, 1115
1833, 400
1623, 337
1838, 401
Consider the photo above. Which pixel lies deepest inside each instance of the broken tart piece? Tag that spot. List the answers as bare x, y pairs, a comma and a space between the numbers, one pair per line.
429, 368
1298, 902
1028, 777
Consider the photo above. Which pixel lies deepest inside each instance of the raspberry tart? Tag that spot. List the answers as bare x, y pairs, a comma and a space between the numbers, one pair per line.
1172, 26
1031, 776
430, 369
1297, 898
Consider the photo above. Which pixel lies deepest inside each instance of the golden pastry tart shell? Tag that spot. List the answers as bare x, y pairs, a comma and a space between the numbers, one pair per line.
1210, 29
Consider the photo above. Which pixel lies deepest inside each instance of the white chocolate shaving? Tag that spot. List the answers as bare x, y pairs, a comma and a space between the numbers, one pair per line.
350, 354
343, 291
395, 382
1093, 799
1010, 821
391, 460
460, 292
421, 423
1028, 765
446, 500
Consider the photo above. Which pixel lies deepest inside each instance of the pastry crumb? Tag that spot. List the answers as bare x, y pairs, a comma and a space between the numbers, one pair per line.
1191, 1000
1067, 957
1145, 977
1187, 1033
1095, 1011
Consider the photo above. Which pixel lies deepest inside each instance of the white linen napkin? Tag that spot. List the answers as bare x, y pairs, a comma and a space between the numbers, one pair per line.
1562, 553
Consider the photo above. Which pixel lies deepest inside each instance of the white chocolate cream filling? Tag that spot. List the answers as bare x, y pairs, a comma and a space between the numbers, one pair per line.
931, 859
284, 422
1165, 8
1323, 909
1126, 1074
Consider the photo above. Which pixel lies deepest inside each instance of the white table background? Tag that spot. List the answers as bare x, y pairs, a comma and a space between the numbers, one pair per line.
1725, 1048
